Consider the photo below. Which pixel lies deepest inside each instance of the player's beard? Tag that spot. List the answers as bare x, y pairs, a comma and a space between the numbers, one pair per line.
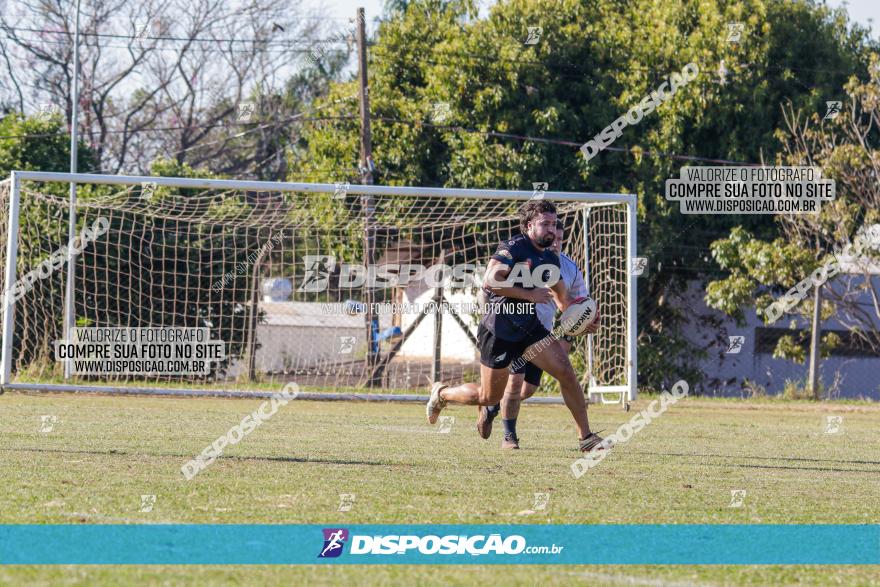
546, 241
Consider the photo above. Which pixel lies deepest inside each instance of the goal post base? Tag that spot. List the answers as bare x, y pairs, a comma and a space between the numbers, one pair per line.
612, 395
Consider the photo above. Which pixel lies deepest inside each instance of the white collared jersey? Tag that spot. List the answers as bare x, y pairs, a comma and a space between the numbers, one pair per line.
571, 275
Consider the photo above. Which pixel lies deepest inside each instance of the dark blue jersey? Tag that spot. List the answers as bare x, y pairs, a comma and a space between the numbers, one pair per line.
515, 319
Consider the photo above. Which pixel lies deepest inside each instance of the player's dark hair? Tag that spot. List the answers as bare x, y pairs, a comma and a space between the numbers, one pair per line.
531, 210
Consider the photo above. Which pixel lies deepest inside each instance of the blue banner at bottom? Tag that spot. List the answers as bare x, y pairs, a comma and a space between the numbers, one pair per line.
440, 544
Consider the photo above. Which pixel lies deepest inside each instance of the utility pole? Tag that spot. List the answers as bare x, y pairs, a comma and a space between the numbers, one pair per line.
69, 304
366, 168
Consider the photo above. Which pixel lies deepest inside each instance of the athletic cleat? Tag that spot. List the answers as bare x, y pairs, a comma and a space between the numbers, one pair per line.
595, 442
510, 441
435, 403
484, 422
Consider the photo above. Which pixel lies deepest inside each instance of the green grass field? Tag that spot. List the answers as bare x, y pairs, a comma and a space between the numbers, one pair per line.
104, 452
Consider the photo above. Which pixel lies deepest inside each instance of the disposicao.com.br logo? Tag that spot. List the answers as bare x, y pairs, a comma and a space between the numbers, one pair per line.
392, 544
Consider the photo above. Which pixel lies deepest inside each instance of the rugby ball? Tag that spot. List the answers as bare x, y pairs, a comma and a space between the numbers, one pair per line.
579, 316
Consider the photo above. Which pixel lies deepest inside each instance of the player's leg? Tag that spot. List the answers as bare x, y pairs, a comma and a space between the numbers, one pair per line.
526, 383
488, 393
554, 360
495, 356
511, 400
510, 406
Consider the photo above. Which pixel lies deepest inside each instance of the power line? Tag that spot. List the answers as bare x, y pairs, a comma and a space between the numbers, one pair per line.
577, 70
226, 49
175, 128
567, 143
253, 40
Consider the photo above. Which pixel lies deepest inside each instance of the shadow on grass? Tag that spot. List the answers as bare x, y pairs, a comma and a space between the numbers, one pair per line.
114, 452
780, 458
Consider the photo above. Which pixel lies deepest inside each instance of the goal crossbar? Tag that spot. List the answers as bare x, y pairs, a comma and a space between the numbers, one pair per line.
282, 186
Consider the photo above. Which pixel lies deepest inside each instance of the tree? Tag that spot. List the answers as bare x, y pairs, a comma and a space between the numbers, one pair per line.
180, 87
759, 271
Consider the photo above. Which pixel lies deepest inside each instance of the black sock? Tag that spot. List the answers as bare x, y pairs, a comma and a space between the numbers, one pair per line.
509, 427
493, 411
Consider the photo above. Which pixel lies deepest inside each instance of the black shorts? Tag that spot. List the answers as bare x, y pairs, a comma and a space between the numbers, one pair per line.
532, 373
497, 353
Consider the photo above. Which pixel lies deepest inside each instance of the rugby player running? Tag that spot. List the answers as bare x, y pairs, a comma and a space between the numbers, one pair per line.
510, 328
526, 377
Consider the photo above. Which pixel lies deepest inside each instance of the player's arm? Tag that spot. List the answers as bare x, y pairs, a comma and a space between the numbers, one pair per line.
561, 295
496, 276
579, 285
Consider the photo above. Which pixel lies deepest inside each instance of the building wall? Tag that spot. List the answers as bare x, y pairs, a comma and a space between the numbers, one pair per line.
850, 377
455, 344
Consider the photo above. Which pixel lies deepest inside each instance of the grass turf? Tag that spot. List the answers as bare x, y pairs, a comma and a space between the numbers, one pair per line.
104, 452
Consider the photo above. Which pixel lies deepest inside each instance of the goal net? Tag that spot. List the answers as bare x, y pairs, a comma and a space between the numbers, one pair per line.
331, 286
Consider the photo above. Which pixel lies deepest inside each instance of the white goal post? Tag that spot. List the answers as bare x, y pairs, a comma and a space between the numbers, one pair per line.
226, 255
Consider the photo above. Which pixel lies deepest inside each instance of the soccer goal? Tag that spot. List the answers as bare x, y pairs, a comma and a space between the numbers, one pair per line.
333, 286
